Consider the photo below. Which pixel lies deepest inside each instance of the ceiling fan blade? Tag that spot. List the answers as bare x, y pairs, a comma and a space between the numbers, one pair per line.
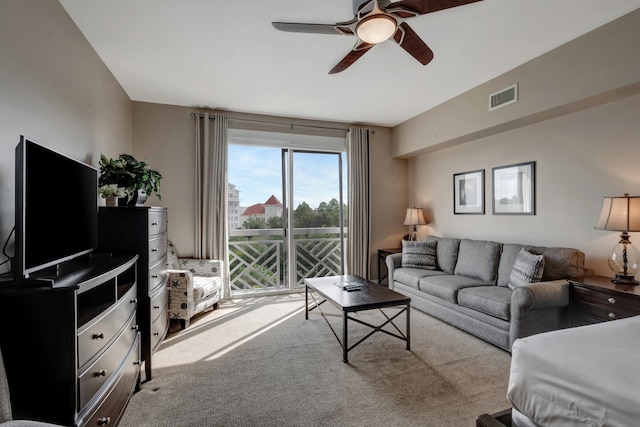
360, 49
412, 43
428, 6
295, 27
360, 5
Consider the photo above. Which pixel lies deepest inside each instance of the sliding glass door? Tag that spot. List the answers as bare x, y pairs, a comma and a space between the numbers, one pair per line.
257, 250
314, 200
286, 217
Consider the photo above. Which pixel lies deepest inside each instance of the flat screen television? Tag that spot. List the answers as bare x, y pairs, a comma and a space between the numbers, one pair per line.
56, 208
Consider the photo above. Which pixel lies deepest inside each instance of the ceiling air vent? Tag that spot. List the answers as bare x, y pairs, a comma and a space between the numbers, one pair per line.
503, 97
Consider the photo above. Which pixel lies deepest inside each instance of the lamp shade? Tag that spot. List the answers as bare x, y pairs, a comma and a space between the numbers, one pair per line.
376, 29
621, 213
415, 216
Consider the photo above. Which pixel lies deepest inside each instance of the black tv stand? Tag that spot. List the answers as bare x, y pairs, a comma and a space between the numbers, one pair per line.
79, 327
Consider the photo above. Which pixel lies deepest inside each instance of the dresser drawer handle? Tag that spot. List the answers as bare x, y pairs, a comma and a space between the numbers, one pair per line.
612, 315
135, 328
156, 333
99, 336
154, 250
156, 307
101, 373
612, 300
154, 276
104, 421
133, 301
154, 223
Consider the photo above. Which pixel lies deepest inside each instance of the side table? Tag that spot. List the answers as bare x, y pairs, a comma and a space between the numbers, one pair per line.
382, 256
596, 299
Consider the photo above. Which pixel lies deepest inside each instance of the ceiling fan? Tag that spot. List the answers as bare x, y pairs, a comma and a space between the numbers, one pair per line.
375, 21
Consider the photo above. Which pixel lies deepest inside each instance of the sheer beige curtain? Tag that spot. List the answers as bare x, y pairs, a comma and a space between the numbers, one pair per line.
211, 235
357, 256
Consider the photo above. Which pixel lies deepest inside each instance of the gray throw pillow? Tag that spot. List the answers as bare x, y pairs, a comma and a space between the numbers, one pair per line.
527, 268
419, 254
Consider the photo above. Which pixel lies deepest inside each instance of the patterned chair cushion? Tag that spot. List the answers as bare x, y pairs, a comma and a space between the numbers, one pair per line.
172, 257
202, 267
205, 286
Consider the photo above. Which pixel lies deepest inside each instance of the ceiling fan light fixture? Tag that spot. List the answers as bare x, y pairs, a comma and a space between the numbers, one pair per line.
376, 29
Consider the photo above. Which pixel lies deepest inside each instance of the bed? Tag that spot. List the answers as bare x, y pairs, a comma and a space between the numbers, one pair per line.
583, 376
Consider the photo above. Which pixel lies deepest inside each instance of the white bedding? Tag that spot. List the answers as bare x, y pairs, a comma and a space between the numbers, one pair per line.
586, 376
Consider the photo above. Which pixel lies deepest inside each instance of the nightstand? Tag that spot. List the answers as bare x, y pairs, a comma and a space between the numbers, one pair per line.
382, 256
596, 299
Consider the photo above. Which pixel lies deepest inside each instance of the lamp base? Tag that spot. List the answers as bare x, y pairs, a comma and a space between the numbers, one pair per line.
625, 279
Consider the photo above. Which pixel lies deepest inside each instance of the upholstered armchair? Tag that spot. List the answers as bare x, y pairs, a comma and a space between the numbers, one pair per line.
195, 285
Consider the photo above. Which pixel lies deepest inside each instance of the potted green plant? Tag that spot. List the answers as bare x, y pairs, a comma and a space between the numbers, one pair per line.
135, 178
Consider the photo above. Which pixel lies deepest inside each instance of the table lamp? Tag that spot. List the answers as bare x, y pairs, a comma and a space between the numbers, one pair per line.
622, 213
414, 217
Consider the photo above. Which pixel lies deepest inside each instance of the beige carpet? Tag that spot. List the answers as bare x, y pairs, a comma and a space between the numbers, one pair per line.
258, 362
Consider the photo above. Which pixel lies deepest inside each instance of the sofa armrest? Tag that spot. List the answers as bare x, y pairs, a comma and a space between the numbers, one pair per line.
180, 294
539, 307
393, 261
532, 296
177, 274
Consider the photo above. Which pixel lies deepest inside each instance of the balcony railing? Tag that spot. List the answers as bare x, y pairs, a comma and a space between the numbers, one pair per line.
258, 258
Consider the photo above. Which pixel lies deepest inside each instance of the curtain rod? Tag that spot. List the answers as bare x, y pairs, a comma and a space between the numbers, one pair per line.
290, 125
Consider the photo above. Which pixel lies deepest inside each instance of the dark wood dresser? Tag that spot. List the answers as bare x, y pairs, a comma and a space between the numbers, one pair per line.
72, 354
597, 299
142, 230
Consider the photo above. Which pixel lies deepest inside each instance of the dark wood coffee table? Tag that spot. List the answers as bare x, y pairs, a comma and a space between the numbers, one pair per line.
370, 296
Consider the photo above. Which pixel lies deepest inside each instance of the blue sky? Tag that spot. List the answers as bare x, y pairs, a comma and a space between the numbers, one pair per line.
256, 172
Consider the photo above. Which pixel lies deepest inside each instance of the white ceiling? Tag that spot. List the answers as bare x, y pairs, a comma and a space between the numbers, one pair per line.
226, 55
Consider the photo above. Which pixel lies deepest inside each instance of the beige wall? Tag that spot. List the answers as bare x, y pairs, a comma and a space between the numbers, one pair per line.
599, 67
164, 135
577, 118
389, 196
55, 90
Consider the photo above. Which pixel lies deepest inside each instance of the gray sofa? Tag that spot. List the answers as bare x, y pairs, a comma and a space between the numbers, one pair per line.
473, 285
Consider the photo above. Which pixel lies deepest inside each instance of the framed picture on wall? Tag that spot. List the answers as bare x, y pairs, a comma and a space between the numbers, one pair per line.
514, 189
468, 192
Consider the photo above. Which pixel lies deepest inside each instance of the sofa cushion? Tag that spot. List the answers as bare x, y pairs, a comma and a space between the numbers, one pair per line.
419, 254
447, 286
478, 259
507, 258
411, 276
492, 300
527, 268
560, 263
446, 252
